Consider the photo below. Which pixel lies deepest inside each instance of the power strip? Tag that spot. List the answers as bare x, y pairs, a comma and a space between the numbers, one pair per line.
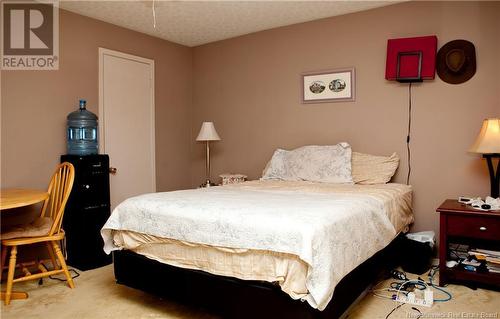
412, 299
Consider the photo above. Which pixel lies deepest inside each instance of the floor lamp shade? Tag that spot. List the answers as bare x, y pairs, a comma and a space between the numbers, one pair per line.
208, 132
488, 144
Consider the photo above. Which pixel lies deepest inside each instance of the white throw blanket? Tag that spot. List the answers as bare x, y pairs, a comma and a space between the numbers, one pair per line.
332, 232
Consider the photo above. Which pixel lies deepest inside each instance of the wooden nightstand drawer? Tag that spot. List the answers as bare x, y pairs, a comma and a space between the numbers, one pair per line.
474, 226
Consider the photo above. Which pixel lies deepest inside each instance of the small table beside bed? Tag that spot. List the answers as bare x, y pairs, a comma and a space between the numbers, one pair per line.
268, 248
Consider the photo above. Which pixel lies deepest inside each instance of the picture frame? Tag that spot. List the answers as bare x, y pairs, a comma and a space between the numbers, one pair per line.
337, 85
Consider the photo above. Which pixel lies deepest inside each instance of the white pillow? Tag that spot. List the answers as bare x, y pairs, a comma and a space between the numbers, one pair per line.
327, 164
277, 167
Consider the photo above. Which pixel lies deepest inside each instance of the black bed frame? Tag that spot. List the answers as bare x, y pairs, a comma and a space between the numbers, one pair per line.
234, 298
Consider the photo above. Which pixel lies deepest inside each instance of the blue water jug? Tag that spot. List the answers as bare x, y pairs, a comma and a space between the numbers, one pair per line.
82, 132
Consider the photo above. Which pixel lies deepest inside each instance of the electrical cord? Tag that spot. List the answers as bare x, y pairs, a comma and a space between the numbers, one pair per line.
414, 282
376, 291
77, 274
393, 309
432, 272
420, 284
419, 312
398, 306
455, 251
381, 296
401, 287
408, 150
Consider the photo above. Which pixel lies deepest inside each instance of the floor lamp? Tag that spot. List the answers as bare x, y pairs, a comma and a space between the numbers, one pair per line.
488, 144
207, 134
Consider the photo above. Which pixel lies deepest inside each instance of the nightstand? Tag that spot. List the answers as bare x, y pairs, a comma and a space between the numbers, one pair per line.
462, 225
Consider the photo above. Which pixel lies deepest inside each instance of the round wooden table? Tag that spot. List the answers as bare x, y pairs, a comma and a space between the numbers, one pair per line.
17, 197
14, 198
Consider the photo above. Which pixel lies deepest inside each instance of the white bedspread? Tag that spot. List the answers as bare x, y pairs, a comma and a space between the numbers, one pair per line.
333, 228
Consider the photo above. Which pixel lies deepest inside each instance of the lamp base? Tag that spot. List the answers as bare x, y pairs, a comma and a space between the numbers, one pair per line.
494, 176
207, 184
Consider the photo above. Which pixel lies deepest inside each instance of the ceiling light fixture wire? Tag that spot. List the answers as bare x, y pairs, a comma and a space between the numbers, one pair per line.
153, 7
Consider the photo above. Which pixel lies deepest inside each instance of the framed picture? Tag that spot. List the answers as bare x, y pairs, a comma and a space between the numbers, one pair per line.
328, 86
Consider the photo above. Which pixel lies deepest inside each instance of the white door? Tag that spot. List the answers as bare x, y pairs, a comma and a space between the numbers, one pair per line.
126, 122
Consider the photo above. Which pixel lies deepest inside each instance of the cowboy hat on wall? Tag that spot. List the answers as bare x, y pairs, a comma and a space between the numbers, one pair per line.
456, 61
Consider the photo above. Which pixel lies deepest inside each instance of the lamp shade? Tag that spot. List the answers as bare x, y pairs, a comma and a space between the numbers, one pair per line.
208, 132
488, 140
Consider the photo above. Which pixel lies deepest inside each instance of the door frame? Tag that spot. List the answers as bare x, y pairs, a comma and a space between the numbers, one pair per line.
102, 138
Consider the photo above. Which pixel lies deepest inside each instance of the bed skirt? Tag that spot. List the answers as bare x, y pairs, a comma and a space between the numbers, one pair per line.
234, 298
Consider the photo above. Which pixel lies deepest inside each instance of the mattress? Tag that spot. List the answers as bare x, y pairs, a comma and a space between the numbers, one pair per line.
304, 236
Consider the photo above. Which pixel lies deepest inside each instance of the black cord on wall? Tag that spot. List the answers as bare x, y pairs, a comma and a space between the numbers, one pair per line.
408, 136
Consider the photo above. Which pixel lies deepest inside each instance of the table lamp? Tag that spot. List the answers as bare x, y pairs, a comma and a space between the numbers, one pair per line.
207, 134
488, 144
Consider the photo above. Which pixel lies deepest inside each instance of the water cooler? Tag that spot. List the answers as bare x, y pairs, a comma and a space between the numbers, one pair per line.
88, 206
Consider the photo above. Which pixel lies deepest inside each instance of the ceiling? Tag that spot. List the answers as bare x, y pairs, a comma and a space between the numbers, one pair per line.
194, 23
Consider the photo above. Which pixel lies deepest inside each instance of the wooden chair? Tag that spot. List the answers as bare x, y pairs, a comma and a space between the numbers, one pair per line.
46, 228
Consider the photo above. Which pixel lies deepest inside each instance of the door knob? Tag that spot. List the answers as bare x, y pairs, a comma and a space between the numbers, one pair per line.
112, 170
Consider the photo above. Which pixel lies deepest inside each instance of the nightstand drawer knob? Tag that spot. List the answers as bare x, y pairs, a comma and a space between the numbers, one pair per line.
482, 228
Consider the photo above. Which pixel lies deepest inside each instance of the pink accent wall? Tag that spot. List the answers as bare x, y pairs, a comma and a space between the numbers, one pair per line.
250, 87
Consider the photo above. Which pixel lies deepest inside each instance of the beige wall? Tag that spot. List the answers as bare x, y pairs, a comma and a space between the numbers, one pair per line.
249, 86
35, 103
34, 106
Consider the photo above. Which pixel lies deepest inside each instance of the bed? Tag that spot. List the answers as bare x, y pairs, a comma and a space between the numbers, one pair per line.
263, 248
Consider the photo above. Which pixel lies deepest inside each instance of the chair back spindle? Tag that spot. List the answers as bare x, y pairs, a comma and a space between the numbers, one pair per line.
59, 190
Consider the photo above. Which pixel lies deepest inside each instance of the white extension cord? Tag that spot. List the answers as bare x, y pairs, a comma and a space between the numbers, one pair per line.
412, 299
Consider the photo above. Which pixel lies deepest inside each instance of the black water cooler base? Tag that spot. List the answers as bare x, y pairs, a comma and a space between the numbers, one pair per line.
87, 210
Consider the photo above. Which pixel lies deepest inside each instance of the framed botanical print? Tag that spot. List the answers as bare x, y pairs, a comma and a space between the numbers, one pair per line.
328, 86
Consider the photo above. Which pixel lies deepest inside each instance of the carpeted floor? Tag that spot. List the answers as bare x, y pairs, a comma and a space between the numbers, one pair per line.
98, 296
